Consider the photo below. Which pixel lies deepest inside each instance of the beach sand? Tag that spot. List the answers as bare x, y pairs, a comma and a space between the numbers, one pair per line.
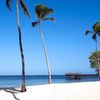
62, 91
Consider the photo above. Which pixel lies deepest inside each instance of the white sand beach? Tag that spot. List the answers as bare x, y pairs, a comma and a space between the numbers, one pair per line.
64, 91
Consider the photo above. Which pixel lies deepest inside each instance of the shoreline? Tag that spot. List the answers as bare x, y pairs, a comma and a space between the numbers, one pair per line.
59, 91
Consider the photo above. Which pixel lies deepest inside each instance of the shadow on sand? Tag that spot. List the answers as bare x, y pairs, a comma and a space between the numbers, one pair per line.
12, 91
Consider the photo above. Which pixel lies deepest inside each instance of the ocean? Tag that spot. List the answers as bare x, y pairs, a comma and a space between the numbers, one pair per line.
15, 81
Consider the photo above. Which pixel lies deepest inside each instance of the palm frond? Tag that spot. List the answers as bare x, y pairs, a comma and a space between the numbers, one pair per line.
8, 4
87, 32
42, 11
24, 8
94, 37
98, 34
96, 27
37, 10
47, 12
49, 19
35, 23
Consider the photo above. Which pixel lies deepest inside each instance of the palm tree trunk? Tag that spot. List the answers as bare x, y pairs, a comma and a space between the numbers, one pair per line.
98, 65
45, 52
23, 88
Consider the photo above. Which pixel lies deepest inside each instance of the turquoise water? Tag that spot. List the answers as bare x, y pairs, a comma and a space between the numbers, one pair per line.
15, 81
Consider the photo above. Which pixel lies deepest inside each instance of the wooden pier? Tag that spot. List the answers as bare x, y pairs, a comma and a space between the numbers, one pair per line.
78, 76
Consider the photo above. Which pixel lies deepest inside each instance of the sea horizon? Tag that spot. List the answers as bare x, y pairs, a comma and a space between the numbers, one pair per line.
16, 80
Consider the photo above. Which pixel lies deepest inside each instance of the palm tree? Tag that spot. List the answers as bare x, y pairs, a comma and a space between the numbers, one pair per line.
42, 11
23, 6
95, 32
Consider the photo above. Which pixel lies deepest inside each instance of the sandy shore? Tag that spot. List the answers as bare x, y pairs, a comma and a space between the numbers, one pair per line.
68, 91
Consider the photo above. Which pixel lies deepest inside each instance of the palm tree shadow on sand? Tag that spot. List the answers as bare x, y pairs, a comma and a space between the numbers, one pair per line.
12, 91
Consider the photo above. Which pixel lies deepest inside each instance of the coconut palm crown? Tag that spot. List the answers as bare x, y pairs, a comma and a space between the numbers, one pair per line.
42, 11
95, 32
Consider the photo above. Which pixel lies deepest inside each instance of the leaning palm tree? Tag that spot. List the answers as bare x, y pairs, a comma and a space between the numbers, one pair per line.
42, 11
23, 6
95, 32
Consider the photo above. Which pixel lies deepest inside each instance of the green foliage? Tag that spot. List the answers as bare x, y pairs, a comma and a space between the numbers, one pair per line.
22, 4
8, 4
42, 11
34, 23
95, 32
93, 59
96, 27
24, 8
49, 19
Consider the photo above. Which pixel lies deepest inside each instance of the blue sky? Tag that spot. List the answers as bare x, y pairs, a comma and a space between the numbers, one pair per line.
67, 46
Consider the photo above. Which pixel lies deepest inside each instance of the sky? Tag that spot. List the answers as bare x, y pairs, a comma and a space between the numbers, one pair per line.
67, 46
